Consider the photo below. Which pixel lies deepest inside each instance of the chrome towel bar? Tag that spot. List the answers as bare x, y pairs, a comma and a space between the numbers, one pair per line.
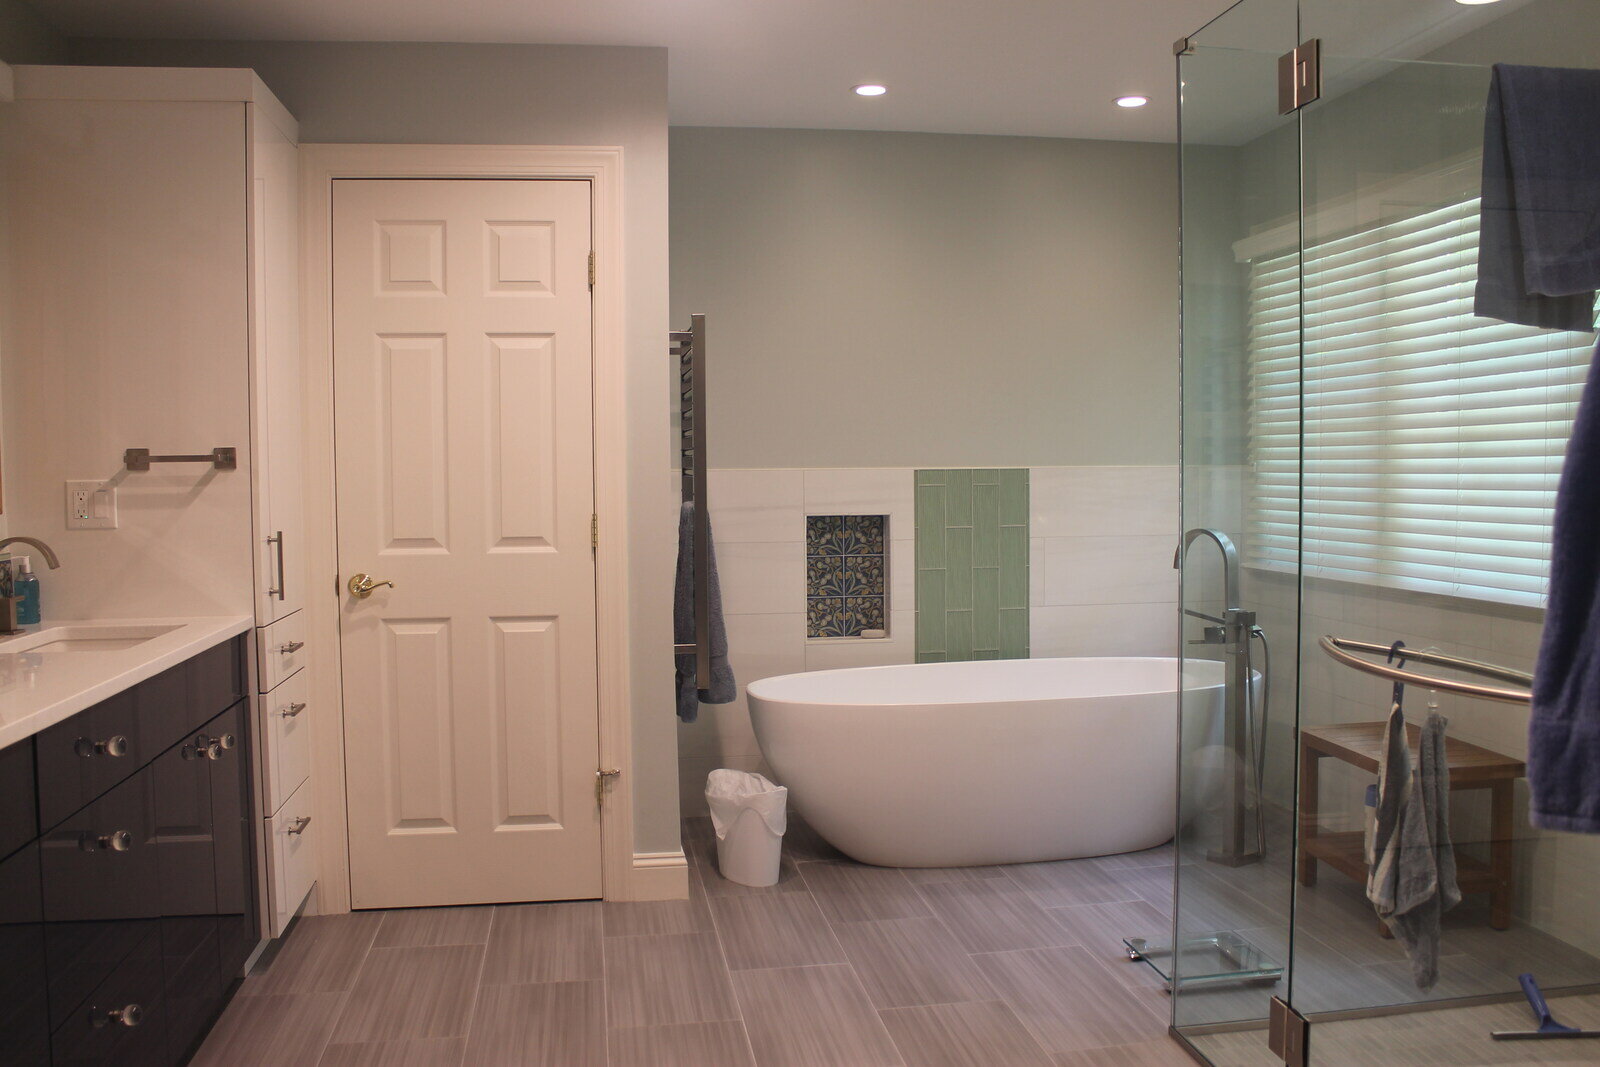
1344, 650
223, 459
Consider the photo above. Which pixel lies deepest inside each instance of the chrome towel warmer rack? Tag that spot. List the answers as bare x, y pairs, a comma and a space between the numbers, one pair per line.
690, 348
1344, 650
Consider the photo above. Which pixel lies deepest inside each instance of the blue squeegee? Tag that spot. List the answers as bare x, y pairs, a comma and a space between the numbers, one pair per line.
1548, 1027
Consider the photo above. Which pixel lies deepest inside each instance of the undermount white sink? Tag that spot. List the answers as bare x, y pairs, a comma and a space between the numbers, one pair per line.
86, 637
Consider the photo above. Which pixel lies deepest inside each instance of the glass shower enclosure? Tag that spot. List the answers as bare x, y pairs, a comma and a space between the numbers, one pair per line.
1365, 462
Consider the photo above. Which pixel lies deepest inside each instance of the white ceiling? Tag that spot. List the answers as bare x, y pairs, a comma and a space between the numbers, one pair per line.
1034, 67
1048, 68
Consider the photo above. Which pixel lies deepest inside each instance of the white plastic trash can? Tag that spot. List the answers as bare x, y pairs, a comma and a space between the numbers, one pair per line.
748, 813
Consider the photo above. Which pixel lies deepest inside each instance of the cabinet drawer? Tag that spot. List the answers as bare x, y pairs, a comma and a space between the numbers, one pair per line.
280, 650
292, 854
178, 700
287, 737
102, 890
121, 1021
24, 1012
19, 806
88, 754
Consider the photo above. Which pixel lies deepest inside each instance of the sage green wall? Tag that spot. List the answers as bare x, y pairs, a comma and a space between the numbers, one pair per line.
929, 300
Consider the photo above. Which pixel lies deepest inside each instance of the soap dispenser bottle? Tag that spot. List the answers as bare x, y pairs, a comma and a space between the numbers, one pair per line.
25, 587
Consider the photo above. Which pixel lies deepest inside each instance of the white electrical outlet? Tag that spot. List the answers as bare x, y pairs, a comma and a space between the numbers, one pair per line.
91, 506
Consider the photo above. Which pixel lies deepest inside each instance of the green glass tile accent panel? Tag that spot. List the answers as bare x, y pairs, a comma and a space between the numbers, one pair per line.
958, 634
930, 613
1014, 510
1014, 567
957, 499
972, 564
1013, 633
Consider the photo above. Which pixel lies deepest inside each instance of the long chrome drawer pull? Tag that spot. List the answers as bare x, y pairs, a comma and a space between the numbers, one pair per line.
299, 825
293, 709
292, 646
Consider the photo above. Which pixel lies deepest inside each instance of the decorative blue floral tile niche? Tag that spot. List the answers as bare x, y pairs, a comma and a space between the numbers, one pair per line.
846, 575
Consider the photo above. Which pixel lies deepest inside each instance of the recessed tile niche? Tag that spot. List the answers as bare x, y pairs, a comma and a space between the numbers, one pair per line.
847, 565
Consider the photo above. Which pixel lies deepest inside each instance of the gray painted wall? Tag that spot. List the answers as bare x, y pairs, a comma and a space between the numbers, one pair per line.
524, 94
903, 300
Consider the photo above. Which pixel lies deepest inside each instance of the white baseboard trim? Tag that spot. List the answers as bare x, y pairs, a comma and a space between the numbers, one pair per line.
659, 876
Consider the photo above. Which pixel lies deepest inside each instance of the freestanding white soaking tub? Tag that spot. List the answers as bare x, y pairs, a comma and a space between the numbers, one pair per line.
996, 761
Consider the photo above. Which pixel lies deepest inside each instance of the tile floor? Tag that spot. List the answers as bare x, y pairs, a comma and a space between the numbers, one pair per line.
838, 964
856, 966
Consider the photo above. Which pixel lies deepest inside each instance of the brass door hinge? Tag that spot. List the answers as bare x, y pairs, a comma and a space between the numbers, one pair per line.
591, 272
601, 778
594, 531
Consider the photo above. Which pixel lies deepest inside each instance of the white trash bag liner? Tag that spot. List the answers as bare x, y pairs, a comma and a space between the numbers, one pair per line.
749, 814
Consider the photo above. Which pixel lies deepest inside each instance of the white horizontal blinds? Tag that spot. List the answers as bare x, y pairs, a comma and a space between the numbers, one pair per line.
1433, 438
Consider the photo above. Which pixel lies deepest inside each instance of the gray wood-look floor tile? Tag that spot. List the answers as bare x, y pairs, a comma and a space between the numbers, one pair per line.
1162, 1053
993, 916
418, 927
684, 1045
783, 930
911, 962
1160, 856
803, 843
1100, 928
851, 892
812, 1017
419, 1052
978, 1034
638, 918
1067, 882
276, 1030
922, 875
322, 956
411, 992
1068, 1000
666, 978
544, 943
547, 1022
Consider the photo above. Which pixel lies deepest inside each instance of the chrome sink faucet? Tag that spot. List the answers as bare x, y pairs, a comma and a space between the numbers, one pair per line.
8, 604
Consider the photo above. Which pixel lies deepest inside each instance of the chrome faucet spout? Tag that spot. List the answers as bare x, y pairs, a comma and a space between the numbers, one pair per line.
1230, 559
45, 550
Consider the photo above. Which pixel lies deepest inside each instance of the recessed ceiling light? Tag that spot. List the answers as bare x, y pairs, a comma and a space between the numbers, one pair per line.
871, 89
1134, 100
1477, 3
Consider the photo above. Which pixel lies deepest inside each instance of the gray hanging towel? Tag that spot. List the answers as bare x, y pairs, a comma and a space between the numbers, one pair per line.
723, 689
1412, 880
1539, 238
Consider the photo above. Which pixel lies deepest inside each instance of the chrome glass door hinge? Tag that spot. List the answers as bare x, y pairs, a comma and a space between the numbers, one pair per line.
591, 272
594, 532
1299, 76
1288, 1034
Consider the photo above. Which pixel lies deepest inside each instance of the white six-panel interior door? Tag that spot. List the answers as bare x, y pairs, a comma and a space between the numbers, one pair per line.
463, 410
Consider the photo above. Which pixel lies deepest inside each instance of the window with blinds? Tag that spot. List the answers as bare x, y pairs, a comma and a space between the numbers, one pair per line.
1433, 438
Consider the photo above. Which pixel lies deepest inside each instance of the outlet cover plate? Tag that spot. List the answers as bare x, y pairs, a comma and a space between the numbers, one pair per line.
91, 505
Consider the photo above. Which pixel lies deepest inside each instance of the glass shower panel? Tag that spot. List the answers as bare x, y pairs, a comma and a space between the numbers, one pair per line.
1431, 444
1240, 170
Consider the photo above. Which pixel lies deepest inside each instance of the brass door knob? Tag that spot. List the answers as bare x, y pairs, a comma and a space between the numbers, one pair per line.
362, 585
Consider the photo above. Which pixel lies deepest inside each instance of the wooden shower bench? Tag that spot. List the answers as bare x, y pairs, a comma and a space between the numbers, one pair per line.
1471, 767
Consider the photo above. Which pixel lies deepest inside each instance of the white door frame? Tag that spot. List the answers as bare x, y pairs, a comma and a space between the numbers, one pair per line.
320, 166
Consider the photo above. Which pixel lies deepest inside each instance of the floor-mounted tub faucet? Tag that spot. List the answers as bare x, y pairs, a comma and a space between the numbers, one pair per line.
1244, 837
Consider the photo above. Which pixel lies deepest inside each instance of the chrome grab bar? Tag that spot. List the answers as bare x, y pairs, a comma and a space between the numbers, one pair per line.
1343, 649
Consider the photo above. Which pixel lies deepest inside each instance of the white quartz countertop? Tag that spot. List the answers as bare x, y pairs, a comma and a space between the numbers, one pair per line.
51, 673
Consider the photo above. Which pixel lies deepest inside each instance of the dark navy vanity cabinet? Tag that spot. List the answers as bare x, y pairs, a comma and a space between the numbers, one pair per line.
127, 871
